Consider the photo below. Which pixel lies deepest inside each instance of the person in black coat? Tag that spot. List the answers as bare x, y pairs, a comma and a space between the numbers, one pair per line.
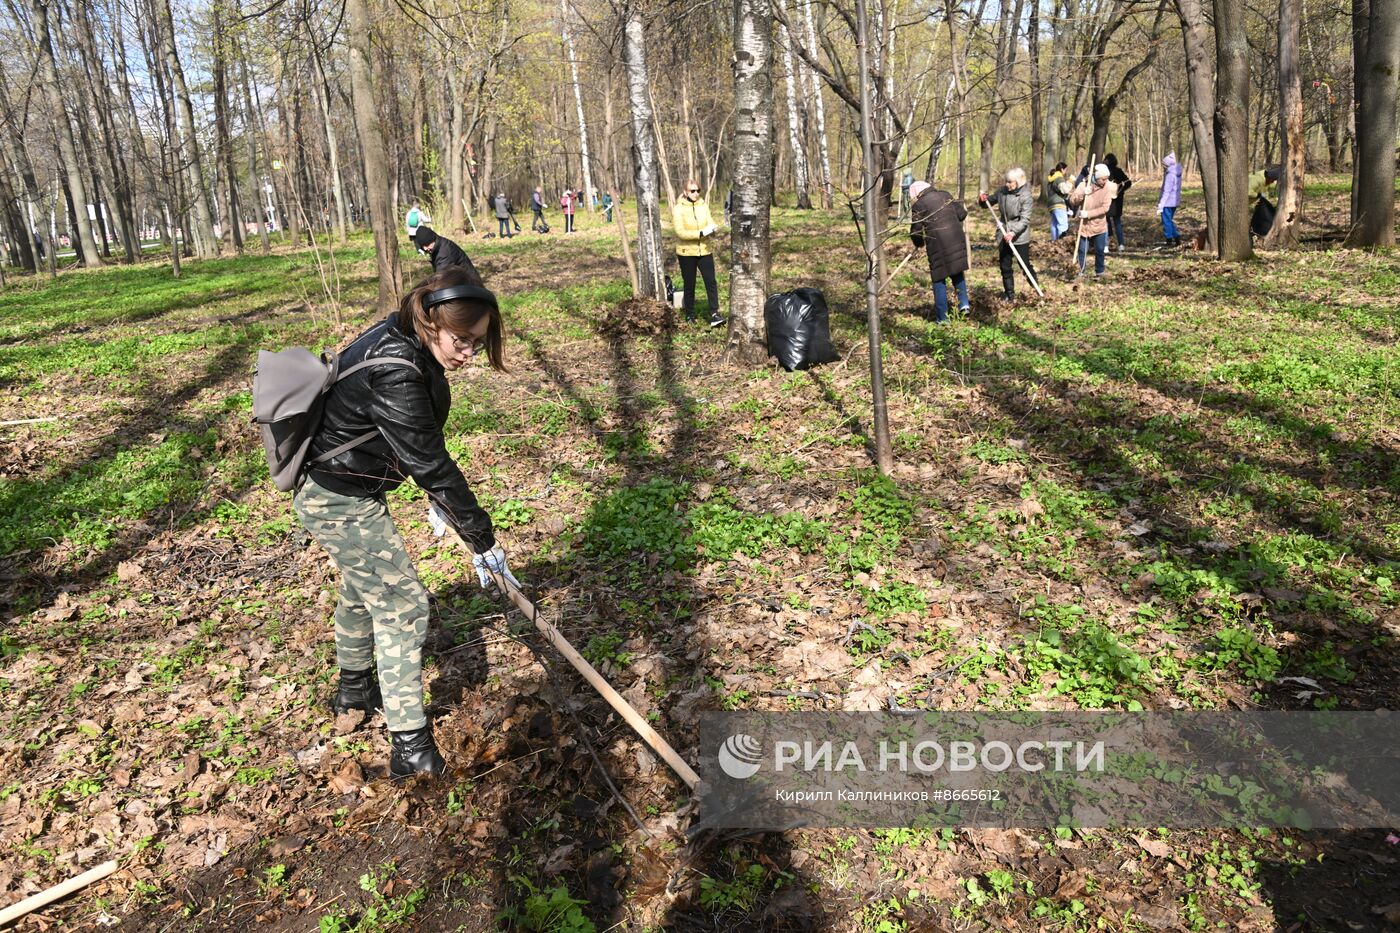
443, 253
936, 225
1115, 213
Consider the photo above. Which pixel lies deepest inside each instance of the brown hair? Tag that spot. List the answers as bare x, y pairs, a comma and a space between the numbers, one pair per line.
457, 316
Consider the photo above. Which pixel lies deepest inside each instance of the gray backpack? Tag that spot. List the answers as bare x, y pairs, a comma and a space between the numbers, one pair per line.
289, 393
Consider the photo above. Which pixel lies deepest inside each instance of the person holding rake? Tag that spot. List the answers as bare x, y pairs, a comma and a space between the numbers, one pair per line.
1015, 202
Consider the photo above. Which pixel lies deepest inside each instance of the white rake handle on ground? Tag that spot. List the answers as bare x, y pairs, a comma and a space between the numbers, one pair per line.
1014, 251
60, 890
590, 674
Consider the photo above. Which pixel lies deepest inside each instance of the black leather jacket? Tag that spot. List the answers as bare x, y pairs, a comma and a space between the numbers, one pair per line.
447, 254
408, 409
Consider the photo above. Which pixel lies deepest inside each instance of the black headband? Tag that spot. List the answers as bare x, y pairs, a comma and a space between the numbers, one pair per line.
454, 292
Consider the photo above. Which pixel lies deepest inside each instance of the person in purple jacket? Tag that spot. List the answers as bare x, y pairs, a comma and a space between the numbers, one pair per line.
1171, 197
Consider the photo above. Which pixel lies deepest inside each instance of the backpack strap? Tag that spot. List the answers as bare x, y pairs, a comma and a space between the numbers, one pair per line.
375, 361
356, 442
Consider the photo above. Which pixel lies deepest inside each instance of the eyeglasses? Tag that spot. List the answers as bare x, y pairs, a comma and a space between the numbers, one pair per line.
472, 344
692, 191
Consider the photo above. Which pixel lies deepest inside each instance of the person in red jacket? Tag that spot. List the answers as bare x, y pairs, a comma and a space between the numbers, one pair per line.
567, 202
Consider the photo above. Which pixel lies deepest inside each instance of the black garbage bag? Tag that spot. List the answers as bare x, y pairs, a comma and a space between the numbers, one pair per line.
1262, 220
799, 332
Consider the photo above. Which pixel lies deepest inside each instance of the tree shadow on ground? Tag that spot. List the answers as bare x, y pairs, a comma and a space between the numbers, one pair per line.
1099, 435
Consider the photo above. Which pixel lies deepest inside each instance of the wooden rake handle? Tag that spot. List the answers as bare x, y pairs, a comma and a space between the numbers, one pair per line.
590, 674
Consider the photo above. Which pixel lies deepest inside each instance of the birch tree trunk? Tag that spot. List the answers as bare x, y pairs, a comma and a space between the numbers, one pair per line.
753, 180
1373, 213
376, 159
823, 146
799, 158
650, 263
578, 105
205, 242
1290, 89
68, 149
1200, 87
1232, 130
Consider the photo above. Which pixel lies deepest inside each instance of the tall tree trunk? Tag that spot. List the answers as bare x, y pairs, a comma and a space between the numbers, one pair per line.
1373, 214
68, 149
103, 107
940, 133
1200, 87
650, 264
1038, 167
799, 158
456, 163
1232, 129
823, 147
376, 159
1006, 50
666, 174
255, 179
578, 106
323, 100
686, 126
1360, 29
1055, 99
753, 180
224, 156
206, 243
884, 456
488, 160
1295, 148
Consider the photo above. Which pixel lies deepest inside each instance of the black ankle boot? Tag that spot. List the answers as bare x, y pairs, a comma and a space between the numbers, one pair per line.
357, 690
415, 752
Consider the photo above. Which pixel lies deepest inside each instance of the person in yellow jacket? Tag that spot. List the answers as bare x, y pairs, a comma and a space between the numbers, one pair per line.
695, 230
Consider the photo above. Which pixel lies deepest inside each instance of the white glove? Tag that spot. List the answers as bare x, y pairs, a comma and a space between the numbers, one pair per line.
437, 520
493, 561
708, 230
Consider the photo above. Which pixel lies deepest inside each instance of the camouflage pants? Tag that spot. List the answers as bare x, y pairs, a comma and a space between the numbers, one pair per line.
382, 604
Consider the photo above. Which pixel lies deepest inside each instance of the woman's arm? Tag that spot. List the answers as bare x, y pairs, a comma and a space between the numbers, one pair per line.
403, 413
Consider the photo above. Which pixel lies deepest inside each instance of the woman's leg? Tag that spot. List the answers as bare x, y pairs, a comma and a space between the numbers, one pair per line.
1082, 249
1008, 276
1100, 248
1169, 223
707, 272
361, 538
688, 266
940, 301
960, 283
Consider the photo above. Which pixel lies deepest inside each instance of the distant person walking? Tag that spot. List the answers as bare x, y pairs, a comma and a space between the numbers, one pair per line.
567, 202
503, 214
1015, 202
1056, 195
1094, 200
415, 218
936, 226
443, 253
906, 183
537, 224
1115, 214
695, 230
607, 206
1171, 197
